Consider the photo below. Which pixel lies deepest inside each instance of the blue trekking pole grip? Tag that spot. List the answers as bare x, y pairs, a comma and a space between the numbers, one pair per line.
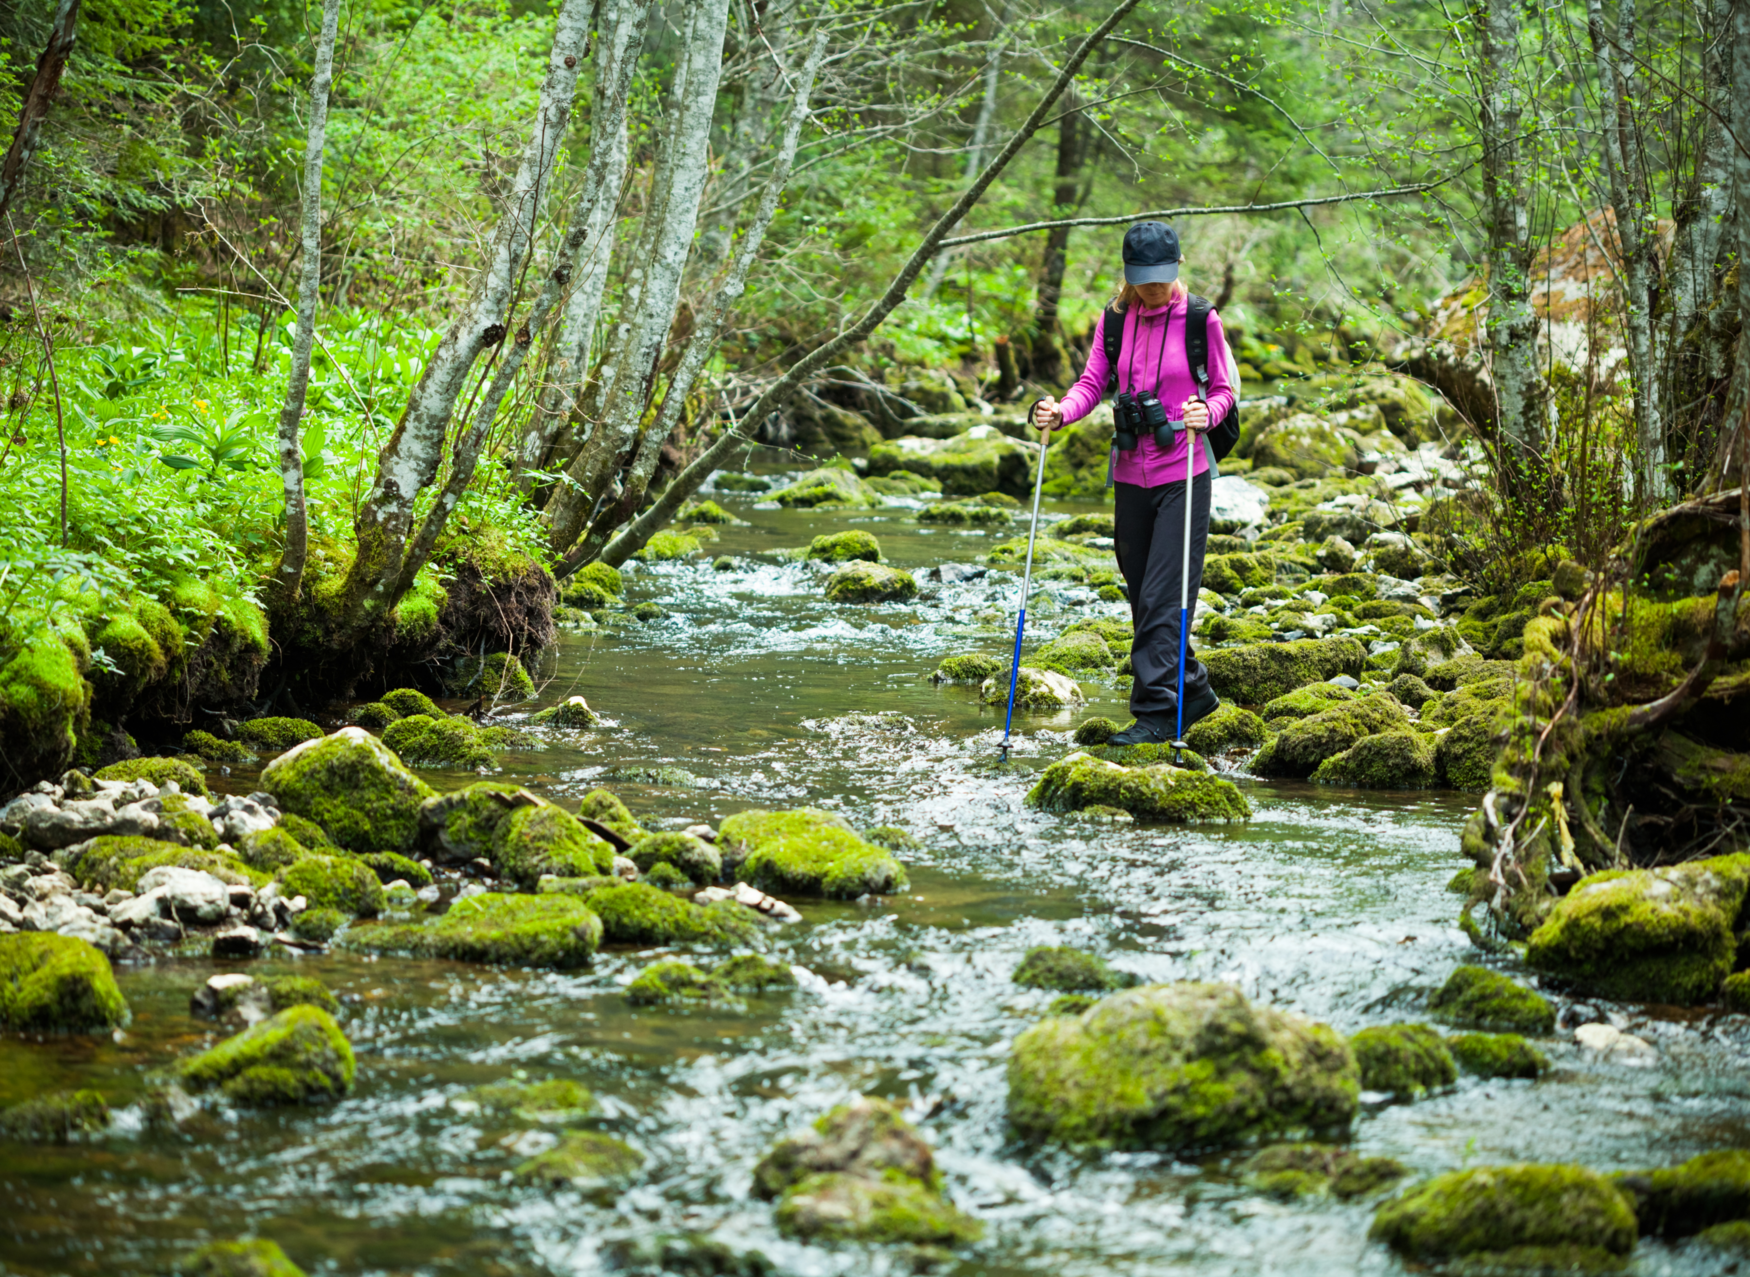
1026, 582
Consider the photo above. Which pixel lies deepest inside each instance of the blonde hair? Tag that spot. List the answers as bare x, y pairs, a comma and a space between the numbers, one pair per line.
1127, 295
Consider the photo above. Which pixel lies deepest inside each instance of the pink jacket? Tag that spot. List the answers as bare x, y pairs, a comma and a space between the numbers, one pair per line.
1146, 365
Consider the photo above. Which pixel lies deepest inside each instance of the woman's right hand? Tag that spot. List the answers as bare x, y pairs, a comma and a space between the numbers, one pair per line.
1047, 415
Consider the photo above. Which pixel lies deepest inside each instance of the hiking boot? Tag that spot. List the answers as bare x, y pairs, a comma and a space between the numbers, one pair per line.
1148, 729
1200, 705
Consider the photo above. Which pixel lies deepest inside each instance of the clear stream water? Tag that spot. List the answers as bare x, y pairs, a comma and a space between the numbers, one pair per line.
1329, 903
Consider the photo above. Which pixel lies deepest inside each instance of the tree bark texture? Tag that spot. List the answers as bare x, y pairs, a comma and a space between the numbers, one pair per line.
49, 66
409, 460
775, 396
288, 576
1066, 195
1738, 390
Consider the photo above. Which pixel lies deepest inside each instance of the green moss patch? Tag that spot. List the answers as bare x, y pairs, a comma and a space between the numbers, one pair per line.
255, 1257
1312, 1170
698, 860
603, 807
1161, 792
158, 771
846, 547
1068, 970
548, 930
543, 839
1477, 998
445, 742
553, 1100
334, 882
1680, 1201
1524, 1216
862, 582
1263, 671
55, 1119
298, 1056
1227, 728
353, 787
276, 735
637, 913
213, 750
808, 852
57, 984
589, 1162
673, 981
1403, 1059
1497, 1055
1391, 760
1298, 749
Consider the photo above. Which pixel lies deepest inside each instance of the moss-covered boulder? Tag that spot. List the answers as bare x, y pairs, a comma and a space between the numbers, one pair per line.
807, 852
1308, 445
605, 808
860, 582
250, 1257
573, 711
157, 770
638, 914
1228, 728
1233, 574
554, 1099
979, 512
1304, 702
829, 488
1094, 732
753, 973
459, 826
674, 982
209, 747
121, 860
319, 925
1313, 1170
851, 546
1035, 689
390, 867
550, 930
1647, 935
298, 1056
1404, 1059
1391, 760
57, 984
1261, 672
1680, 1201
275, 735
1067, 970
1160, 792
439, 742
407, 701
334, 882
1465, 753
861, 1174
982, 459
1524, 1217
269, 850
1076, 653
1477, 998
533, 840
353, 786
1179, 1067
970, 667
697, 859
597, 1165
1497, 1055
56, 1118
1298, 749
1735, 993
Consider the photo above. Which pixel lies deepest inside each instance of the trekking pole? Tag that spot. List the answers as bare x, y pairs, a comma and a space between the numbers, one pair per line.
1026, 584
1191, 442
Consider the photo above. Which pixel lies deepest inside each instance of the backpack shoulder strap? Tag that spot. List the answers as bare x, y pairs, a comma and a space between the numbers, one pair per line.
1112, 339
1197, 314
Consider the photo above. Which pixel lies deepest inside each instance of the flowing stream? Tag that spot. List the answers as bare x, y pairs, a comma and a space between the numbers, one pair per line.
1329, 903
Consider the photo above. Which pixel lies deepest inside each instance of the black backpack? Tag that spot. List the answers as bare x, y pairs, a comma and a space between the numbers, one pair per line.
1224, 434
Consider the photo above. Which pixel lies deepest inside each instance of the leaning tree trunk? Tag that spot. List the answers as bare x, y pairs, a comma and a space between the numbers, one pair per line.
1047, 362
288, 576
49, 66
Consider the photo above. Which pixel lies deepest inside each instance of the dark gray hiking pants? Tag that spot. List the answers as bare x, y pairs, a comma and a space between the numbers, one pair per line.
1149, 528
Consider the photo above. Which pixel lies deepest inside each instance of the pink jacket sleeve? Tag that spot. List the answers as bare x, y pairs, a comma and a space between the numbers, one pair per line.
1083, 397
1221, 364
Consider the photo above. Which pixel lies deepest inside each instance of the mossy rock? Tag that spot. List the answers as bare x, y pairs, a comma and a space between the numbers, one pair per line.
698, 860
1304, 702
850, 546
1646, 935
1477, 998
298, 1056
1261, 672
55, 1119
1298, 749
588, 1162
459, 826
334, 882
554, 1100
1161, 792
670, 546
318, 926
253, 1257
1035, 689
673, 981
498, 676
605, 808
971, 667
861, 582
287, 991
1462, 670
1076, 653
1735, 993
157, 770
183, 827
408, 701
965, 514
808, 852
390, 867
352, 786
213, 750
893, 838
121, 860
585, 596
1179, 1067
1067, 970
1410, 691
1391, 760
1524, 1217
548, 930
1680, 1201
439, 742
601, 575
1497, 1055
1403, 1059
854, 1208
374, 715
57, 984
837, 489
639, 914
1732, 1238
539, 839
308, 833
1095, 731
1151, 754
573, 711
276, 735
1313, 1170
753, 973
981, 459
1226, 728
1233, 573
705, 512
1465, 754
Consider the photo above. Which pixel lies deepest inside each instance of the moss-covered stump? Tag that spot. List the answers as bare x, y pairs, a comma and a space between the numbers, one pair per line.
57, 984
1313, 1170
1298, 749
1227, 728
1179, 1067
1477, 998
530, 841
1391, 760
55, 1119
597, 1165
1403, 1059
862, 1174
971, 667
1497, 1055
159, 771
276, 735
674, 982
352, 786
1680, 1201
1067, 970
860, 582
253, 1257
639, 914
553, 930
850, 546
807, 852
1263, 671
697, 859
1648, 935
1035, 689
1526, 1218
1161, 792
554, 1100
334, 882
299, 1056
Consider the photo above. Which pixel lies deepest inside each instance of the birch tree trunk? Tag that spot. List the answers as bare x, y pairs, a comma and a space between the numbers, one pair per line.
750, 133
1704, 214
1635, 230
49, 66
678, 182
1520, 393
409, 460
623, 24
288, 577
775, 396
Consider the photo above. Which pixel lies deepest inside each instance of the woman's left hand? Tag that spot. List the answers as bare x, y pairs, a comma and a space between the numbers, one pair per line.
1196, 414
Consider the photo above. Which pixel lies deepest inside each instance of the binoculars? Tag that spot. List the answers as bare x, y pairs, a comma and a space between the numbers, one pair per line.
1140, 414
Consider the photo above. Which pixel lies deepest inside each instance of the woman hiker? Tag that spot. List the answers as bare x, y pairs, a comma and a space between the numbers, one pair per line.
1149, 476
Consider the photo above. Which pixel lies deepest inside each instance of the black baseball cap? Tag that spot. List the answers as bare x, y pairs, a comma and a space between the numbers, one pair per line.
1151, 254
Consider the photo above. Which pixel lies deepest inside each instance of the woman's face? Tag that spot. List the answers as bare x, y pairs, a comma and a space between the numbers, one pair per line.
1154, 295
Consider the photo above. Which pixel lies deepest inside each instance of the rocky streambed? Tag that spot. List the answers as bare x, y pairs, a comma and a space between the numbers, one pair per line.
755, 959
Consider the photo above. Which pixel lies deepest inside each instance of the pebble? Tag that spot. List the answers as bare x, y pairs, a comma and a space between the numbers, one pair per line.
1614, 1045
